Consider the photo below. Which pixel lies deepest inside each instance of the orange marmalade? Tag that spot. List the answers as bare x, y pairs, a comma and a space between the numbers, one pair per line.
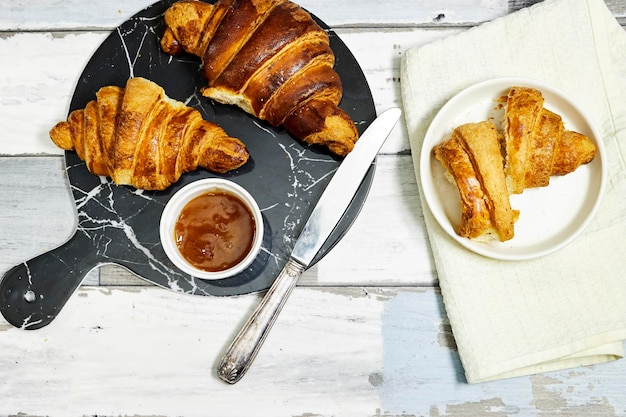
215, 231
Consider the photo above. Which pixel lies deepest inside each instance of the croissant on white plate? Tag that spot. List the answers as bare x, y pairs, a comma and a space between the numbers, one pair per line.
474, 163
271, 59
487, 165
139, 136
536, 142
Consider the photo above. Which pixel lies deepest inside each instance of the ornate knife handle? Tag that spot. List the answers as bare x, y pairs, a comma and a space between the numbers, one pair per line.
248, 342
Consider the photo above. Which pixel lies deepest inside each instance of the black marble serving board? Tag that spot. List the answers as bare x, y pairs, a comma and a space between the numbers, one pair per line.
120, 224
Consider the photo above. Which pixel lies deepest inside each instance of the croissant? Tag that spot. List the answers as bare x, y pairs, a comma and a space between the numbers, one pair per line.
537, 144
269, 58
138, 136
472, 159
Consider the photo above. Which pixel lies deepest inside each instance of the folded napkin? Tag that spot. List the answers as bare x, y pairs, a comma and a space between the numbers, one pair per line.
566, 309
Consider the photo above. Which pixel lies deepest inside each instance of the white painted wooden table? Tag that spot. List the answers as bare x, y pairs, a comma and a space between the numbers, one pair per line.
365, 332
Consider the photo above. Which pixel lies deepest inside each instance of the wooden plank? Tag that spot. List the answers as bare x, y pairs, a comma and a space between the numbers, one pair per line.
343, 345
391, 214
515, 5
41, 80
28, 227
617, 7
45, 15
387, 244
36, 88
355, 13
74, 14
40, 83
382, 69
333, 352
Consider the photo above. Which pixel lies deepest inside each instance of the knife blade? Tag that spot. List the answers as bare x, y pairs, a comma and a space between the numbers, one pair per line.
327, 212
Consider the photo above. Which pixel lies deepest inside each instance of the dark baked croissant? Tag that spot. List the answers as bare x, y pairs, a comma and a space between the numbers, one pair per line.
537, 144
269, 58
138, 136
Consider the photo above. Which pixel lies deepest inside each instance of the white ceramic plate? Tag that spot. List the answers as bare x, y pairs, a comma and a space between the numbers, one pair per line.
550, 217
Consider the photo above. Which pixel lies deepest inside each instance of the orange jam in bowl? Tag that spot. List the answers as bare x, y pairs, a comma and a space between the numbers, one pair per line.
211, 229
214, 231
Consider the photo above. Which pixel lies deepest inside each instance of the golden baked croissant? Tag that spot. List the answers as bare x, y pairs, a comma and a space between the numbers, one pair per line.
269, 58
536, 145
138, 136
473, 161
536, 142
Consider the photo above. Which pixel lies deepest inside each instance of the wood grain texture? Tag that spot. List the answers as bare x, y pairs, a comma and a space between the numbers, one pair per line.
38, 212
617, 7
515, 5
47, 15
57, 62
28, 228
364, 334
52, 15
333, 352
386, 246
36, 88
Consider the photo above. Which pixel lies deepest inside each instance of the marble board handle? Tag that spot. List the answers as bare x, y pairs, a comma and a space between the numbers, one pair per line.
33, 292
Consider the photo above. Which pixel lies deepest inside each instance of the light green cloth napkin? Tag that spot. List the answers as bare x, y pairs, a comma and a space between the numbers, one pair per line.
566, 309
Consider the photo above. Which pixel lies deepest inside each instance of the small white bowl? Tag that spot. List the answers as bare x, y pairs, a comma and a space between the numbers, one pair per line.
176, 204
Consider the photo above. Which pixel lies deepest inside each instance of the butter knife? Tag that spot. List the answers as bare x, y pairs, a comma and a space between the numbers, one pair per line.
325, 216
